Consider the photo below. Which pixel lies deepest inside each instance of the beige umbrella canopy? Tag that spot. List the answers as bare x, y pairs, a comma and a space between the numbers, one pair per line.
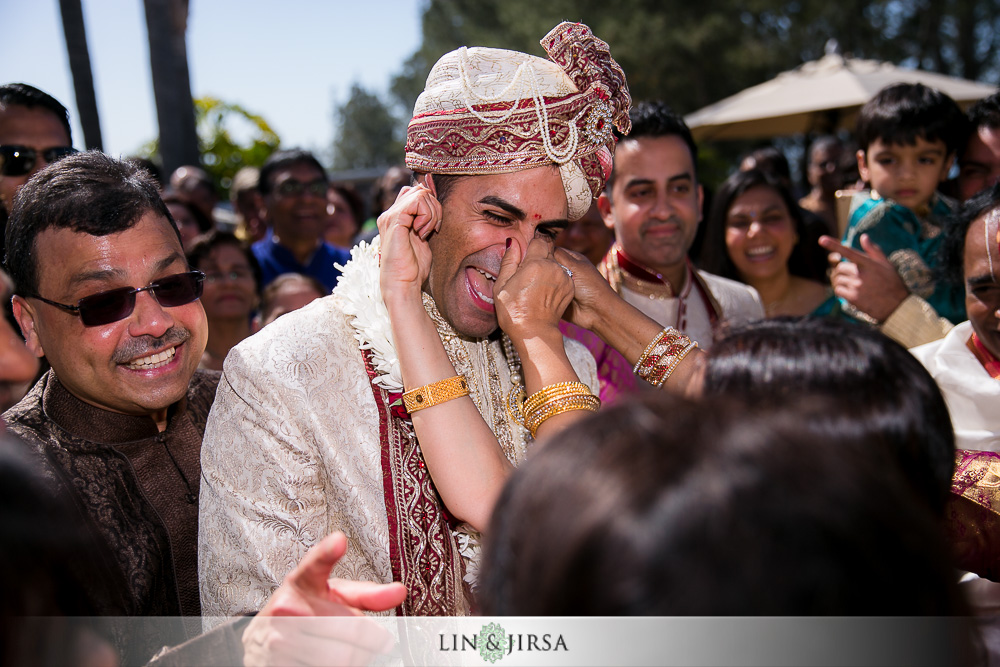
818, 96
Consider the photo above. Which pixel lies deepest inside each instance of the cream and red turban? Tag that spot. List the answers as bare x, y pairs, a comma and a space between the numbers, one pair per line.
490, 111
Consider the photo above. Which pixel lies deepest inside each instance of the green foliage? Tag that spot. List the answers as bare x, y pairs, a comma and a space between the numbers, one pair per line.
693, 54
229, 137
368, 134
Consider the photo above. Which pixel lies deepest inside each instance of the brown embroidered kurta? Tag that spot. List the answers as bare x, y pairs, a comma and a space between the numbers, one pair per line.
136, 486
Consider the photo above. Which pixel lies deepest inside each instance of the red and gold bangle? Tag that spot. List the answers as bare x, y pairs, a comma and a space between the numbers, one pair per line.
663, 355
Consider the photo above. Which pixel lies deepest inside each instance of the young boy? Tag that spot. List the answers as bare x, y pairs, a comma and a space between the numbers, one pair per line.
908, 134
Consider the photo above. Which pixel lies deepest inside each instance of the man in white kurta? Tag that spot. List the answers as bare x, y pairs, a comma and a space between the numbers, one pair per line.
654, 203
307, 435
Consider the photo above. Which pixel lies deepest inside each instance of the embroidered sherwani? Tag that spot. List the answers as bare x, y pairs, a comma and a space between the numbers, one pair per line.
301, 443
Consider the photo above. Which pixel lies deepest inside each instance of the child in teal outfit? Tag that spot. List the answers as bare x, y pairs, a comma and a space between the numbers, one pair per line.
908, 134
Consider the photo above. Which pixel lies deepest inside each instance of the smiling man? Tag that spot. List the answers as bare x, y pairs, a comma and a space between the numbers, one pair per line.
293, 186
308, 434
103, 292
654, 203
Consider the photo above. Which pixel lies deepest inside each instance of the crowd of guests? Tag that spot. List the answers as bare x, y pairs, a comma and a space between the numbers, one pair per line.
802, 417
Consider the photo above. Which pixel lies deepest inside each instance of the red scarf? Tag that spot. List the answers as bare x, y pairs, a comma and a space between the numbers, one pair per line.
985, 357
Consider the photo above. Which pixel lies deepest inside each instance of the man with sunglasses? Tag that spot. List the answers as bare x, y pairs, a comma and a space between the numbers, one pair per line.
34, 132
293, 186
103, 291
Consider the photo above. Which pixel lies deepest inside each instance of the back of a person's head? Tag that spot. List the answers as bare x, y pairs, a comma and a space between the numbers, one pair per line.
282, 160
665, 507
901, 113
878, 381
89, 193
24, 95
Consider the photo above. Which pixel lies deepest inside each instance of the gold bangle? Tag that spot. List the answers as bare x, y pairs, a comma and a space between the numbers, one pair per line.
558, 406
435, 392
551, 392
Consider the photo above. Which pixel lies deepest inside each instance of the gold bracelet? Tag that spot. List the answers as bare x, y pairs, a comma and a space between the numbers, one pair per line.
435, 392
558, 406
552, 392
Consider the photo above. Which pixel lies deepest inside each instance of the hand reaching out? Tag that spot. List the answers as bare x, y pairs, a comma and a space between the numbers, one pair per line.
290, 628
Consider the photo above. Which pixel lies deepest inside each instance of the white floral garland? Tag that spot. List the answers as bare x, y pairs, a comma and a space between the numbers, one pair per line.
361, 291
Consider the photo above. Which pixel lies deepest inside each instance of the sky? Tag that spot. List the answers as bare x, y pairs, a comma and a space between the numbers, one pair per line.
290, 61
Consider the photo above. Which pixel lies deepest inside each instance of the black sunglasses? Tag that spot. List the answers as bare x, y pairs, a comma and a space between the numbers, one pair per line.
16, 160
117, 304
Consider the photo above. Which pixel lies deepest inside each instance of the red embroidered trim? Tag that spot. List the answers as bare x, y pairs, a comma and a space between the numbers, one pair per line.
422, 550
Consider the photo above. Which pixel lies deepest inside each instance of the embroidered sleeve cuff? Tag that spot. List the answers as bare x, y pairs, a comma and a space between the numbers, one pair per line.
914, 323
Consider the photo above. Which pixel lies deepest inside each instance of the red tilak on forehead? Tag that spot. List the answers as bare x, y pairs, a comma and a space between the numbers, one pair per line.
537, 217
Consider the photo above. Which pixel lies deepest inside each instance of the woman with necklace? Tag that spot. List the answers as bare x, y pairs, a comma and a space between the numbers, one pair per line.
754, 234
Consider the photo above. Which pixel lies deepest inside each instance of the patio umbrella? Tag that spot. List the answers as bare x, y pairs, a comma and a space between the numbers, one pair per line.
818, 96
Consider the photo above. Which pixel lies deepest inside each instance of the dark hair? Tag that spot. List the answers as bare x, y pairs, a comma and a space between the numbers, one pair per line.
714, 256
890, 397
353, 199
282, 160
903, 112
951, 254
88, 193
23, 95
174, 197
660, 506
656, 119
386, 185
770, 160
202, 246
983, 114
154, 169
827, 141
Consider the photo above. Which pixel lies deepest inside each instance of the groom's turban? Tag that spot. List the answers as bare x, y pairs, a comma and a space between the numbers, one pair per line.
489, 111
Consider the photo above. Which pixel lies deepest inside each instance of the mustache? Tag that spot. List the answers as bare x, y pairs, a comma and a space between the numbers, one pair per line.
143, 346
